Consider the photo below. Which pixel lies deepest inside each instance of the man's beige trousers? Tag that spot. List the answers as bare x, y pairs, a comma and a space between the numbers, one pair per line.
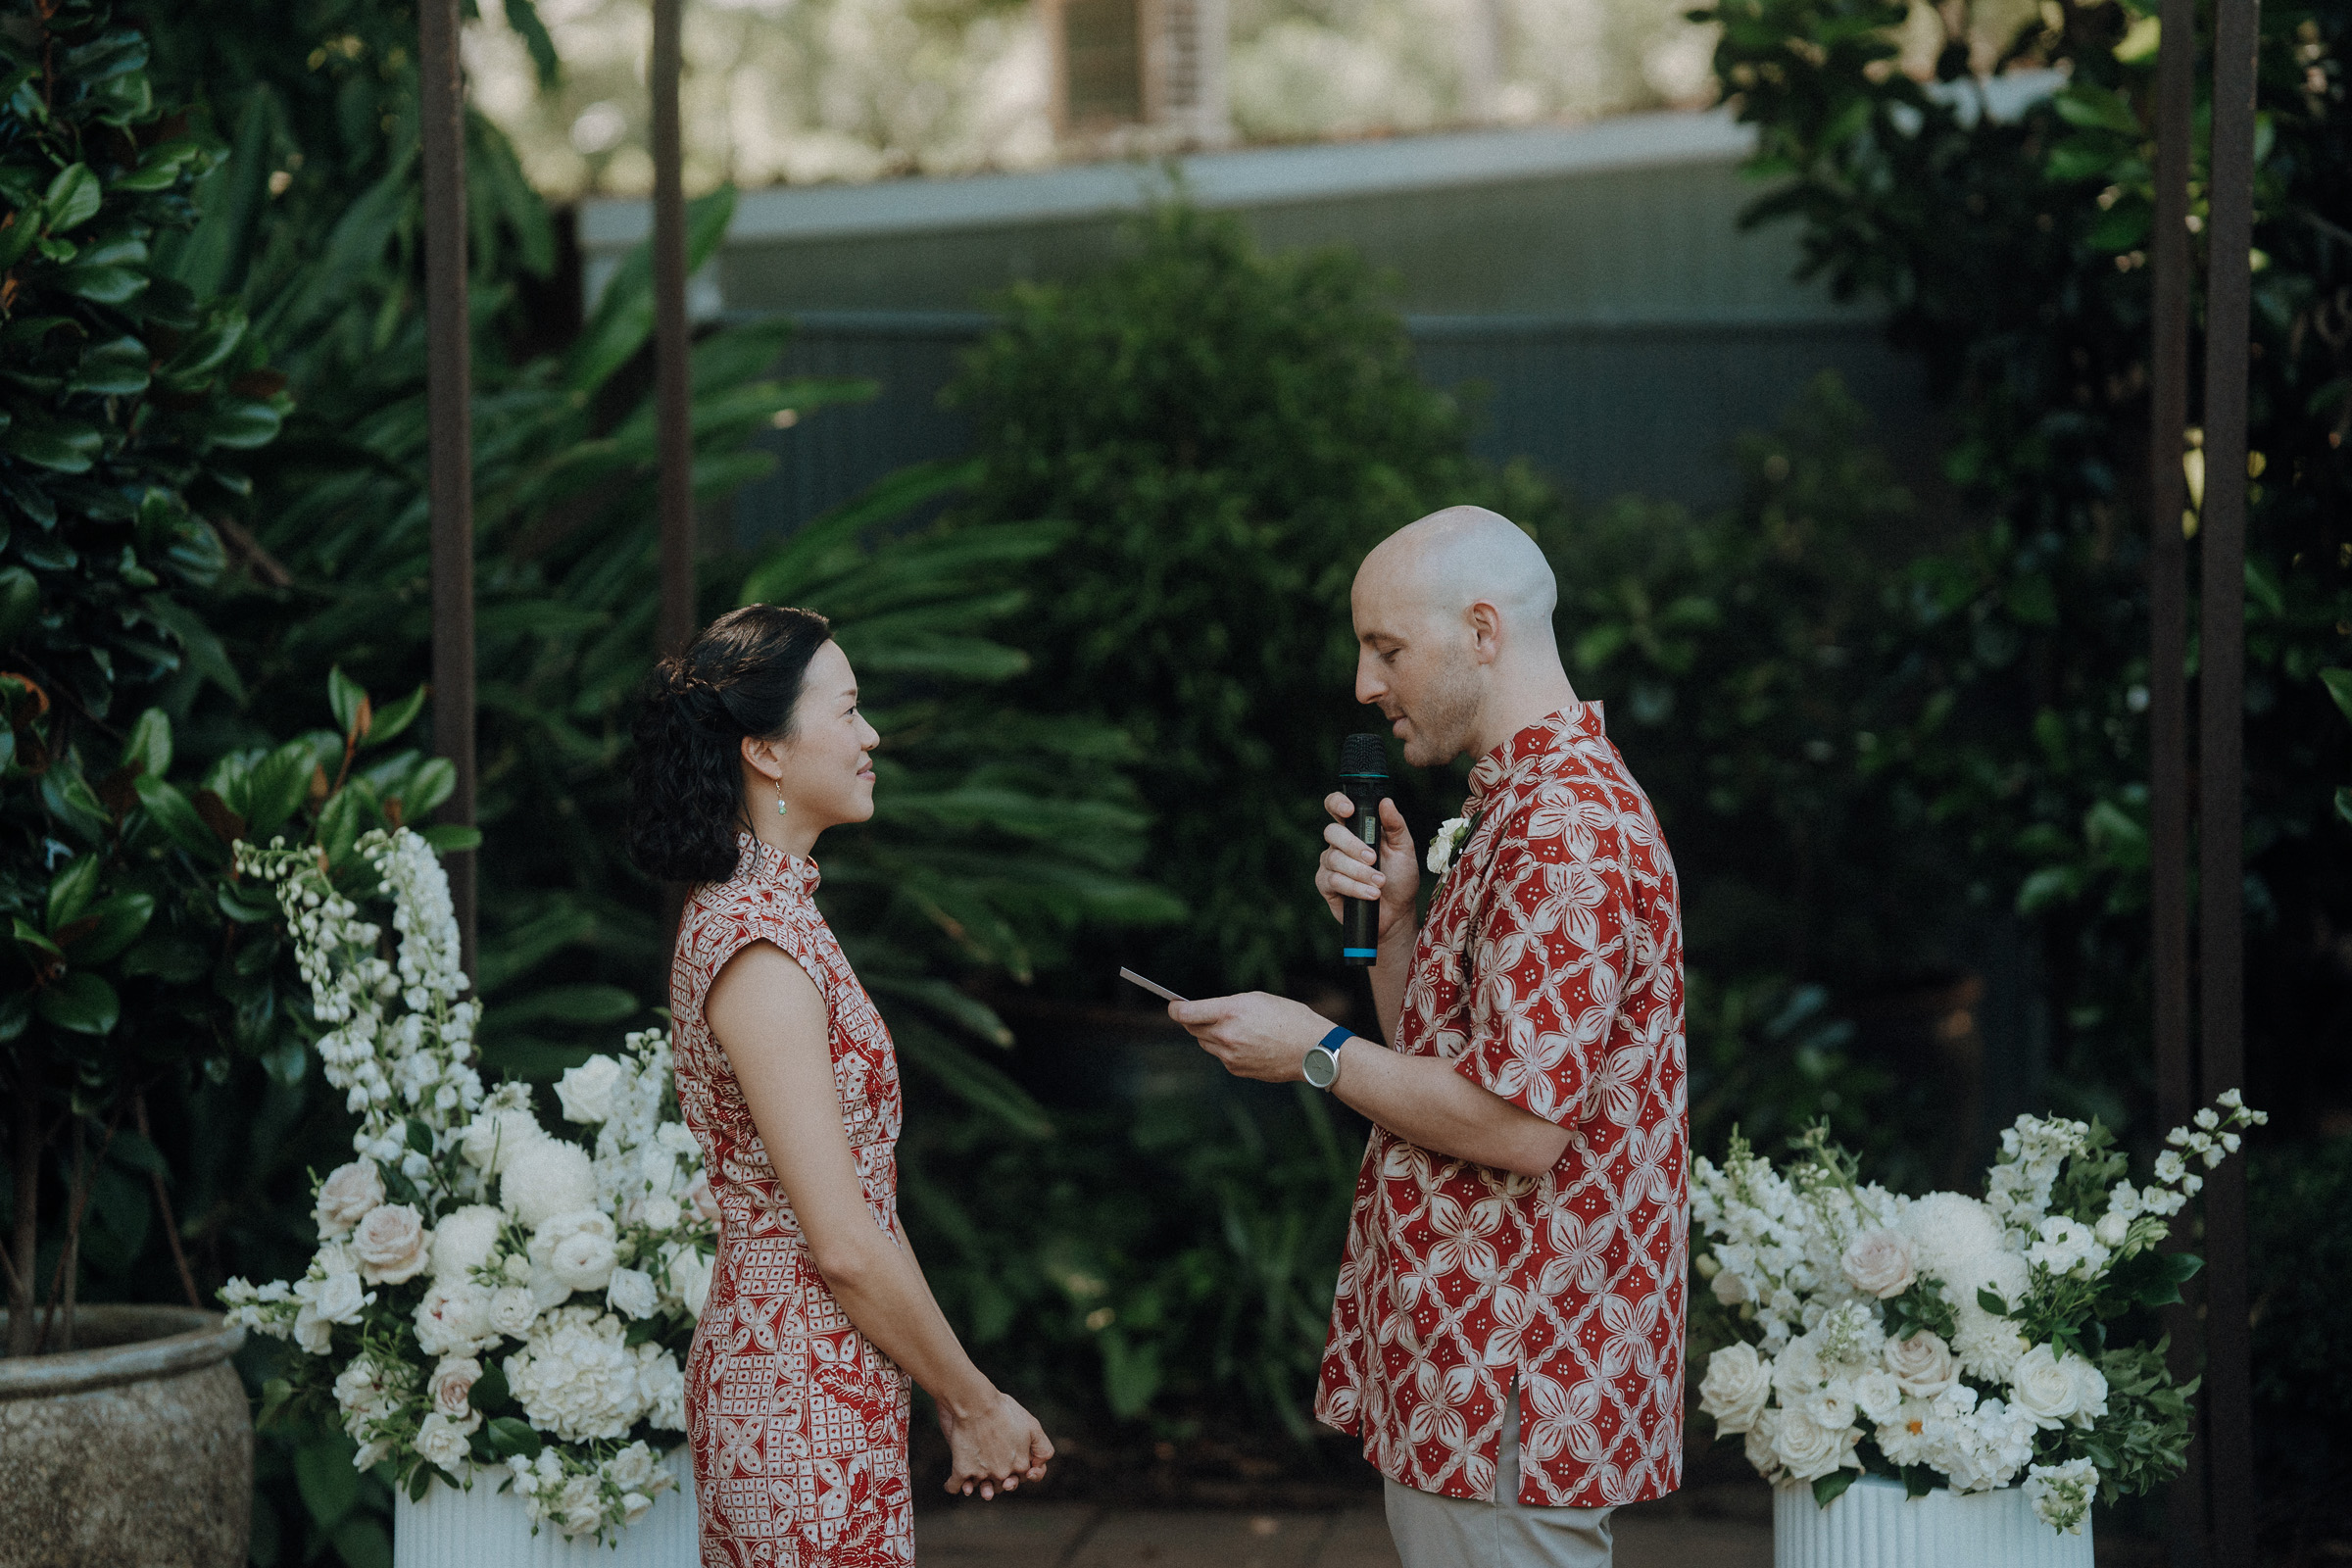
1439, 1532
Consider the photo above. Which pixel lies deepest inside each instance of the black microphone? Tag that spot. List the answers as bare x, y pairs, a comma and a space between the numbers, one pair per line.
1364, 775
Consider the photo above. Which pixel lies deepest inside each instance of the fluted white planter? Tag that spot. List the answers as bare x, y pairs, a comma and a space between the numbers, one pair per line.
1875, 1526
486, 1528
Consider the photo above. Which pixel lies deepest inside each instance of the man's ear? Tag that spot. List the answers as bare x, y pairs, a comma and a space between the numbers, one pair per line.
1486, 632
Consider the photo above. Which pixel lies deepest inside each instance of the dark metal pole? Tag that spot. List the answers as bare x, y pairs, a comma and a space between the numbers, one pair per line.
672, 387
449, 382
2168, 659
2228, 1428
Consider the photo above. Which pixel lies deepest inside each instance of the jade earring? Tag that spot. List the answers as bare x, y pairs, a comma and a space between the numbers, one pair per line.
779, 802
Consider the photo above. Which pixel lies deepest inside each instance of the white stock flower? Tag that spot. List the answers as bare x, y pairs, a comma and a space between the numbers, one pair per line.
392, 1244
2061, 1494
586, 1091
346, 1196
547, 1178
465, 1239
1736, 1388
631, 1293
2068, 1246
575, 1377
1728, 1288
1881, 1262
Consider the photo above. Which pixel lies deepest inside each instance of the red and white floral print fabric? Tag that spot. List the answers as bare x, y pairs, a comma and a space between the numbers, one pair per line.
798, 1425
1550, 971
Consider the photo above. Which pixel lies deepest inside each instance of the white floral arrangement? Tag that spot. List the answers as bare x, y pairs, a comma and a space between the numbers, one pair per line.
487, 1296
1951, 1340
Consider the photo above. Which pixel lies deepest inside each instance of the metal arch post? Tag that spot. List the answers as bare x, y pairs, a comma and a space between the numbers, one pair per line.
449, 419
2169, 761
2222, 666
673, 348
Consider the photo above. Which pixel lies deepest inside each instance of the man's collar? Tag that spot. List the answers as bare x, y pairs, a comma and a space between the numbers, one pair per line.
1525, 752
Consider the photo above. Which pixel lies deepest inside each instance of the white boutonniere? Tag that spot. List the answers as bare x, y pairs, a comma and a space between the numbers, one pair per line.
1451, 836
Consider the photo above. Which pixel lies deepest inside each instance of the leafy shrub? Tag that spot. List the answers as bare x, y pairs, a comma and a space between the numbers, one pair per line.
1228, 433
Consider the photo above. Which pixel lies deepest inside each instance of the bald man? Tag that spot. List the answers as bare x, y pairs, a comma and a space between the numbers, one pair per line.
1507, 1333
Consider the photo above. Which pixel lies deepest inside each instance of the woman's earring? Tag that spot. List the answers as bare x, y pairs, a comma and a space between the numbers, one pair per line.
779, 802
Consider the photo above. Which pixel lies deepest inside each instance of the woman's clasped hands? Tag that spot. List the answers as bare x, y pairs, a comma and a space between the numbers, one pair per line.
994, 1444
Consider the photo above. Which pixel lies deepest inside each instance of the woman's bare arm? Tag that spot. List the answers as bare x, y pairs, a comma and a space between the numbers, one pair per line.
769, 1018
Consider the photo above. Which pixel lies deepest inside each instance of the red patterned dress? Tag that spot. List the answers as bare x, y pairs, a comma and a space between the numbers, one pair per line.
1550, 972
798, 1425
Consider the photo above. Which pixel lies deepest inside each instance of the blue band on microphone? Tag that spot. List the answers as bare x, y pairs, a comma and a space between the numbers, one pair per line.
1340, 1035
1360, 953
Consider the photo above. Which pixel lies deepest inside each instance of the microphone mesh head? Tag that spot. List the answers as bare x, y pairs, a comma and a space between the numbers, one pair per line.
1364, 755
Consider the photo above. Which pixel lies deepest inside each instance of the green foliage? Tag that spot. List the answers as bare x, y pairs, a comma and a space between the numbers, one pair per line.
1229, 433
2010, 252
2300, 1276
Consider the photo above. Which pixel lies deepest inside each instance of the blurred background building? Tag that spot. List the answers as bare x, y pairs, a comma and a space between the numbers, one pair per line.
1557, 209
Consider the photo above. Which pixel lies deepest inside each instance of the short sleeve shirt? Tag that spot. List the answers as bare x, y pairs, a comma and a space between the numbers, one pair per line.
1549, 971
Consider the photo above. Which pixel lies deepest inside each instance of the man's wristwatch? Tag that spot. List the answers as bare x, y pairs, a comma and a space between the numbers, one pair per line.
1322, 1065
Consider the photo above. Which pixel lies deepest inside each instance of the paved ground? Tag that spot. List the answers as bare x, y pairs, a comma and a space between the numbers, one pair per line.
1012, 1533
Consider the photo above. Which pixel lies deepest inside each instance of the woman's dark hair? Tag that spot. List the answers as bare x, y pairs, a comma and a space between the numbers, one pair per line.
741, 676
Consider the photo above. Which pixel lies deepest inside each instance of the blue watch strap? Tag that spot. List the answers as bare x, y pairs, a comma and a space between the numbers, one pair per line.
1340, 1035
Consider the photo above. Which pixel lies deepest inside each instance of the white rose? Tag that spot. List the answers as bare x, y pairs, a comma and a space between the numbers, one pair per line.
392, 1244
1832, 1406
2111, 1230
452, 1386
550, 1177
2090, 1389
631, 1293
580, 1506
465, 1239
586, 1091
577, 1249
1881, 1262
339, 1298
661, 1384
513, 1311
453, 1319
441, 1441
631, 1469
312, 1332
1736, 1387
1758, 1447
662, 1213
2042, 1389
1922, 1364
346, 1196
1808, 1448
1877, 1395
689, 1278
363, 1393
1729, 1288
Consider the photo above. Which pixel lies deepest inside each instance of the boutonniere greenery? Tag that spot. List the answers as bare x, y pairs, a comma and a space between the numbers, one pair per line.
1451, 835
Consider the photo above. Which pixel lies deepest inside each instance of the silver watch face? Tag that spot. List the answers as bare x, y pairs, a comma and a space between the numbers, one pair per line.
1322, 1067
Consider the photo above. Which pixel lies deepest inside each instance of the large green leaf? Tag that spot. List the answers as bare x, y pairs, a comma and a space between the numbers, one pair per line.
79, 1002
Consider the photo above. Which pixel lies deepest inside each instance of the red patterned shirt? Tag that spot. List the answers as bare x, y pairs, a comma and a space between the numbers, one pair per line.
1550, 971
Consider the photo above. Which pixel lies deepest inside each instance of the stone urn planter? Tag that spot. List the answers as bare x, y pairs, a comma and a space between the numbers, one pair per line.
133, 1450
1875, 1526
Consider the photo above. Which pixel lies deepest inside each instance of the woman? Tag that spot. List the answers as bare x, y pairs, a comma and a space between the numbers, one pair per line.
751, 745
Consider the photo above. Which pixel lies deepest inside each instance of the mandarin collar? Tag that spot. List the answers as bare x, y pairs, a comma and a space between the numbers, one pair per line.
754, 858
1524, 752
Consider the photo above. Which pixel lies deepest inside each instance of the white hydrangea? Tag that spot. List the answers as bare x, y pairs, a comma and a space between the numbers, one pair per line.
576, 1376
547, 1178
